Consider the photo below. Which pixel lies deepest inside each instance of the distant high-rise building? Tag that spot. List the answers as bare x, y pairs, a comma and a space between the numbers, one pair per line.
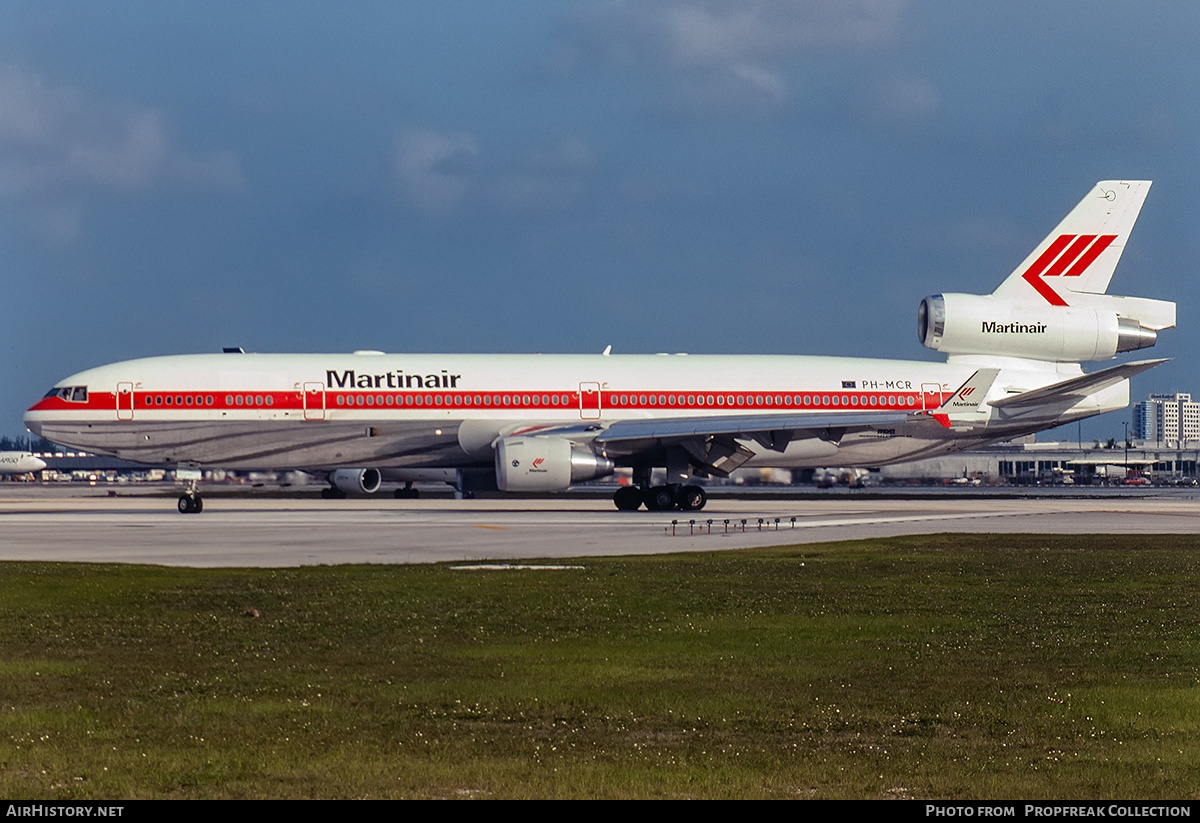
1169, 419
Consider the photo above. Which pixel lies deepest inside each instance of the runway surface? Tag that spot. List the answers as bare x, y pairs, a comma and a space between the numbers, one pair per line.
85, 525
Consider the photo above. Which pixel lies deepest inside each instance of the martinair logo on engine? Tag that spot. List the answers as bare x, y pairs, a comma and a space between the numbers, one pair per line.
350, 379
1080, 252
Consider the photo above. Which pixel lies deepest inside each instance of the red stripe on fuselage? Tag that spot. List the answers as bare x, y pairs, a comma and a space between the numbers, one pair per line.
155, 401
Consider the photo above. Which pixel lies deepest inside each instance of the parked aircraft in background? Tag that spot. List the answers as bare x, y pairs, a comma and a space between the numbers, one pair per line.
539, 423
20, 463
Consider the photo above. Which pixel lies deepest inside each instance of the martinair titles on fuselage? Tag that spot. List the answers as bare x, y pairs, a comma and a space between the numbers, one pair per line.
350, 379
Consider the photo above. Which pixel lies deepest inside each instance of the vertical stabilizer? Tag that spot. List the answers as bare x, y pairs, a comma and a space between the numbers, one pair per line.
1080, 255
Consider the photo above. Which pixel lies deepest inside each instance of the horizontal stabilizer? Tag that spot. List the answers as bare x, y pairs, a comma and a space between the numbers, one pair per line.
1075, 388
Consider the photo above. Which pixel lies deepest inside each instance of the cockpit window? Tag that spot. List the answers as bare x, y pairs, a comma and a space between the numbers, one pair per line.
72, 394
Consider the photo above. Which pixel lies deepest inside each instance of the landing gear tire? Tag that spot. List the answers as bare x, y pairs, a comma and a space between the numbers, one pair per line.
692, 498
660, 498
332, 494
406, 494
190, 504
628, 498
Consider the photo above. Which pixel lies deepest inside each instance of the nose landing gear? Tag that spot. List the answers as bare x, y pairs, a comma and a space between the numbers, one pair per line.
190, 501
191, 504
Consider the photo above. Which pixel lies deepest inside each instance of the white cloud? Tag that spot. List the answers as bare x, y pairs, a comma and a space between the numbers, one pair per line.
221, 171
440, 173
905, 98
769, 84
131, 155
434, 168
726, 32
732, 51
568, 154
27, 108
59, 223
57, 144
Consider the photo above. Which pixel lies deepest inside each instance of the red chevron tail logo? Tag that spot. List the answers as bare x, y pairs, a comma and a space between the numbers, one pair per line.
1068, 256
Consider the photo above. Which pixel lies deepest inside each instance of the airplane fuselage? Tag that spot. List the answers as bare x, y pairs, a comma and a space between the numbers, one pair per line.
314, 411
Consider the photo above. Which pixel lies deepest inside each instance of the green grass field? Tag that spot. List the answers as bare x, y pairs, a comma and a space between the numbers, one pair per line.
960, 667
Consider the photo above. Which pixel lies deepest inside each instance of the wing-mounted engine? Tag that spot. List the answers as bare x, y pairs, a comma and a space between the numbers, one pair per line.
356, 481
1095, 327
546, 464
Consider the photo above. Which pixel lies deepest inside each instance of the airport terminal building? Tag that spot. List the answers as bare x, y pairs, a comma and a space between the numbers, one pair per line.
1058, 463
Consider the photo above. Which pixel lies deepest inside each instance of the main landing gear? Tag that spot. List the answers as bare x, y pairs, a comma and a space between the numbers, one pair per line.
661, 498
407, 493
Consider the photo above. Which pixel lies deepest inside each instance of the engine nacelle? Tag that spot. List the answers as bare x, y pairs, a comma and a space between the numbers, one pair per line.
984, 324
356, 481
546, 464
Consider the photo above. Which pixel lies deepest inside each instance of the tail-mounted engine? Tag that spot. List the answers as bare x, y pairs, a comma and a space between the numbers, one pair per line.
546, 464
1096, 327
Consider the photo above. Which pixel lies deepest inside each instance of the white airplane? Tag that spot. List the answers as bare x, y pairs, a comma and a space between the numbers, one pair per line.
539, 423
20, 463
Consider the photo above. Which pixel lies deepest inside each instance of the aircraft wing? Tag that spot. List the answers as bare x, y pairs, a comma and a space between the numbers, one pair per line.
712, 443
797, 426
746, 426
1074, 389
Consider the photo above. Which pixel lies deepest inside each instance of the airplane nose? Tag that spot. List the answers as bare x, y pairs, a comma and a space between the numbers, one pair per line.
33, 422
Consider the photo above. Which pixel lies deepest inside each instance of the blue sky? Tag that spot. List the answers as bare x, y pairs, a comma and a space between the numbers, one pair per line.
561, 176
